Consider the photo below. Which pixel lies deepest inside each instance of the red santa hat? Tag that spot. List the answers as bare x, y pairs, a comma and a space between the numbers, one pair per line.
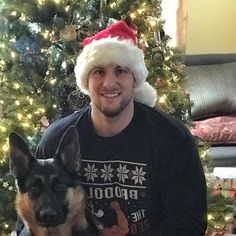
116, 44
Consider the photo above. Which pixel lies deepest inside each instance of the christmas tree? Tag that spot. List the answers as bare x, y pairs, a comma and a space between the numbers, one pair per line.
39, 43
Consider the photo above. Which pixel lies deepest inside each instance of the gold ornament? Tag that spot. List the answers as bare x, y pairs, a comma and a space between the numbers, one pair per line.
69, 33
166, 104
43, 123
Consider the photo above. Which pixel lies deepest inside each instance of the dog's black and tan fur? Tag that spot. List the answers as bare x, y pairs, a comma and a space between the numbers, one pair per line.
50, 200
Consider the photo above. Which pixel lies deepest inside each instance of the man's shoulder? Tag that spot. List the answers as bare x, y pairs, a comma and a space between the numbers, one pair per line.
163, 123
55, 131
65, 122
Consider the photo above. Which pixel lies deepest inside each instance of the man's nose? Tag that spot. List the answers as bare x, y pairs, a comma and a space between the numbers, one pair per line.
109, 79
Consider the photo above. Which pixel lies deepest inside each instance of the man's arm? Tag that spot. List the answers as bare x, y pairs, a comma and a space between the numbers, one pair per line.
183, 192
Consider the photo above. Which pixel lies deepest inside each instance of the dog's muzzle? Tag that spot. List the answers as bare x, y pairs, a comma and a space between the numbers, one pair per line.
49, 217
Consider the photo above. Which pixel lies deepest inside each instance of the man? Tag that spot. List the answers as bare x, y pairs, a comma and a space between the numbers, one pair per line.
140, 167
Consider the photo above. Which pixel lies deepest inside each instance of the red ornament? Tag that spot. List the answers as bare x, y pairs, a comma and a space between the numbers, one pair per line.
143, 44
53, 39
231, 193
217, 191
160, 82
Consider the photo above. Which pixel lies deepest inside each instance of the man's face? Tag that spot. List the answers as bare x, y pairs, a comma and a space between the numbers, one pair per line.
110, 89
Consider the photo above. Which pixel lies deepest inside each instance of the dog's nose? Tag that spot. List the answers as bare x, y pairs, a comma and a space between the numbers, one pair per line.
48, 216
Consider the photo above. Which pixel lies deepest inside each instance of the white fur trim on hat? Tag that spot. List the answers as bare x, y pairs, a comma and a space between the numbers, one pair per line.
107, 51
145, 94
110, 51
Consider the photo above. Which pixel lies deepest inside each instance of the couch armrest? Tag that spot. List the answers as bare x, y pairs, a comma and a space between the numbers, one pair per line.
223, 156
208, 59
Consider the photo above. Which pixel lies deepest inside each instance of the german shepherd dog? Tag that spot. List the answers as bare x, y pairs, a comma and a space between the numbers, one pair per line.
50, 200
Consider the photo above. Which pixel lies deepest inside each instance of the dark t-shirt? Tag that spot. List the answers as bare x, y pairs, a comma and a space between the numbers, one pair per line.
147, 180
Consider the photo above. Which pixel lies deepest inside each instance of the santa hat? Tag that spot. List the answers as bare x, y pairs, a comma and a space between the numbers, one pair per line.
115, 45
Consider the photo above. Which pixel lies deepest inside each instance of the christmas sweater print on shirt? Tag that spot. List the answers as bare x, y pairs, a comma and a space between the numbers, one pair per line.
116, 193
154, 146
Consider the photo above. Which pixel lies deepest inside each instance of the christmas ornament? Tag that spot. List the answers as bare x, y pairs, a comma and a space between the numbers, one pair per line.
38, 62
46, 13
34, 28
143, 44
28, 45
160, 82
58, 23
11, 14
177, 66
43, 123
66, 69
53, 39
93, 9
55, 53
158, 56
166, 104
4, 27
69, 33
77, 100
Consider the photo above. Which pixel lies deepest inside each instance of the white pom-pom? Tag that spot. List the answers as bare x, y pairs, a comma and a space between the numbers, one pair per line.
145, 94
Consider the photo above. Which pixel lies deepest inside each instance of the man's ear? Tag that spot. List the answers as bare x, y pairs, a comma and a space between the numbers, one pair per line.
68, 151
20, 157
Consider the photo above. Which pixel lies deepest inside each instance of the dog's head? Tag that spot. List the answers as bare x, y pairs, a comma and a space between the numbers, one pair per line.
47, 189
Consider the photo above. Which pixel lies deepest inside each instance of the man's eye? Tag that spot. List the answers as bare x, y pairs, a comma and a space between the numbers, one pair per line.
121, 71
98, 72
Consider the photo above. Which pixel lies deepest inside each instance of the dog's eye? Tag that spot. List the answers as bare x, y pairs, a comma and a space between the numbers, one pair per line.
59, 187
34, 191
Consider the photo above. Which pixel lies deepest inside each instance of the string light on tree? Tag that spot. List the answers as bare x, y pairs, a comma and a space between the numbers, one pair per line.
25, 124
29, 116
2, 45
166, 104
23, 17
16, 85
113, 5
13, 54
13, 13
57, 1
3, 129
46, 34
132, 16
53, 81
19, 116
5, 147
41, 2
67, 8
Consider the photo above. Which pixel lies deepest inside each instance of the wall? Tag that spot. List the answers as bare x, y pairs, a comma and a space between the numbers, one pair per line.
211, 26
169, 8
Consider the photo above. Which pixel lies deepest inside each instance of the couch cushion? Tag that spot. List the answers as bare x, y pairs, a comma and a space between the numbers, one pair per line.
216, 130
212, 89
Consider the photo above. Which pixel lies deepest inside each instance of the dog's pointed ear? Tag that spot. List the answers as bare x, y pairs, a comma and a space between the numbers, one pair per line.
19, 155
68, 151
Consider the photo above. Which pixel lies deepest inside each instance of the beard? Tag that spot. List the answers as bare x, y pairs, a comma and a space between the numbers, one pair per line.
112, 112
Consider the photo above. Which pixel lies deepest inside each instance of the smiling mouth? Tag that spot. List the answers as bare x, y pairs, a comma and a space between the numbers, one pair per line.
110, 95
